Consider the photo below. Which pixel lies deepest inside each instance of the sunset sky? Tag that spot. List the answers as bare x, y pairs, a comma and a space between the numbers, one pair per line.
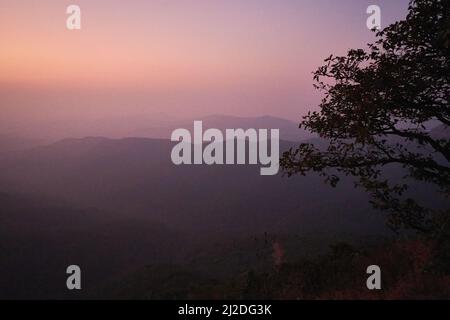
181, 58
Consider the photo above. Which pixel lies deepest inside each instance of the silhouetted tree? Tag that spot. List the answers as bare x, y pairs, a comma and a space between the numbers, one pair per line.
375, 113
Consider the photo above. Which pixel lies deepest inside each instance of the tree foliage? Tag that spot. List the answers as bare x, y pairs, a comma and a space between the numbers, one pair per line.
376, 113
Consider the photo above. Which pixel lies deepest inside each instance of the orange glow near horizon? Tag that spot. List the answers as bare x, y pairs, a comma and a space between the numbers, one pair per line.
181, 57
40, 51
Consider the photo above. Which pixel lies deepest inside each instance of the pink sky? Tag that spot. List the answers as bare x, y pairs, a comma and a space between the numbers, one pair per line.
185, 58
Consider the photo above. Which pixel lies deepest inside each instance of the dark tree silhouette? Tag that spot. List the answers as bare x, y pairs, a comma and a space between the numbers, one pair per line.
375, 114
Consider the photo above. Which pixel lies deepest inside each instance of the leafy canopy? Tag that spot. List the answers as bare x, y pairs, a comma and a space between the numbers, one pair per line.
375, 114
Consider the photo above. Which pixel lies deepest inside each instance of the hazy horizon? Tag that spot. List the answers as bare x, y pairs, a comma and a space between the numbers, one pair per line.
182, 59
